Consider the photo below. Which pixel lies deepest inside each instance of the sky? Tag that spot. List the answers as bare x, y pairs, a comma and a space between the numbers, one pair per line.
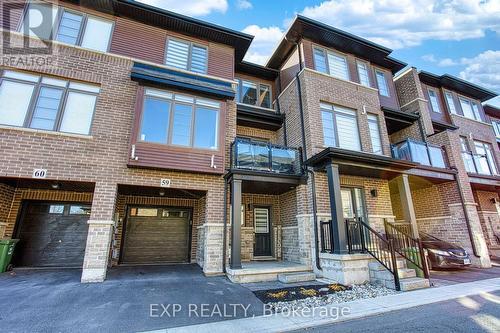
458, 37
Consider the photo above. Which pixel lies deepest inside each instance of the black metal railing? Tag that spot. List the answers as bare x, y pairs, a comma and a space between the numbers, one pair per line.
361, 238
421, 152
265, 157
408, 247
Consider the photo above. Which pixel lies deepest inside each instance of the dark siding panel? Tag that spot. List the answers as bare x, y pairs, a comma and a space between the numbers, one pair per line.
220, 61
353, 71
137, 40
11, 14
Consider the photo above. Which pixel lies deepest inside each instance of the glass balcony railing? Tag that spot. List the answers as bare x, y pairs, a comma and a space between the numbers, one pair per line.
420, 152
265, 157
475, 163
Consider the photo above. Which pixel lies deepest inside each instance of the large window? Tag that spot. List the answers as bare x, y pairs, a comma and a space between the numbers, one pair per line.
363, 73
485, 162
433, 97
331, 63
340, 127
47, 103
470, 109
186, 55
496, 128
254, 93
382, 83
69, 26
450, 102
375, 134
179, 120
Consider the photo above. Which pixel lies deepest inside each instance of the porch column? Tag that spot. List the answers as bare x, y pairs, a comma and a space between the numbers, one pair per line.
235, 224
407, 204
339, 229
99, 237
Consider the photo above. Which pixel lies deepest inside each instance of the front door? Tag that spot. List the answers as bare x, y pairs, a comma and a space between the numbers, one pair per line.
262, 228
354, 209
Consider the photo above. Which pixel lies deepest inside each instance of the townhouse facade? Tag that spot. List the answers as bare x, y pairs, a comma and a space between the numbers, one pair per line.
151, 141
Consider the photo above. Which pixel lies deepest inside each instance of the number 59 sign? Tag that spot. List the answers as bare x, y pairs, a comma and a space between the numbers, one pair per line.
165, 183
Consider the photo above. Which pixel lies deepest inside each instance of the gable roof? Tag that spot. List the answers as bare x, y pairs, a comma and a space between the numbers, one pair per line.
303, 27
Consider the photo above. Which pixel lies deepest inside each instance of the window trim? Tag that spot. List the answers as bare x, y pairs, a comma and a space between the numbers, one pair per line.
471, 103
446, 94
367, 65
436, 95
381, 71
496, 127
28, 118
487, 147
327, 63
173, 102
377, 120
57, 22
335, 128
190, 54
257, 84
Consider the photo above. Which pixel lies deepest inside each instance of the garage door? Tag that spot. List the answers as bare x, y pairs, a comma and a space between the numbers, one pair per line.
156, 235
52, 234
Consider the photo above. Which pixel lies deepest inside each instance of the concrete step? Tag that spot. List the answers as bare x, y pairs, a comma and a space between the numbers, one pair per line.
413, 284
296, 277
403, 273
376, 266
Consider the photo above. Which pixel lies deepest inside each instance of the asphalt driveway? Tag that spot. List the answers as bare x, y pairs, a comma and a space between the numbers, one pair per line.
131, 299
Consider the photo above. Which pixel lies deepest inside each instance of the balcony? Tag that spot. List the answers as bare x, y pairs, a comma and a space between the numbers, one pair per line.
478, 164
420, 152
265, 158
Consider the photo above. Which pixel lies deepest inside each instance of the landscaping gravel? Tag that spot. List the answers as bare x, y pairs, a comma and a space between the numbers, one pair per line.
356, 292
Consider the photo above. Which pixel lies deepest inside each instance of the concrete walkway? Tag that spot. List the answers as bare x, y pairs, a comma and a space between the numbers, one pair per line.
355, 309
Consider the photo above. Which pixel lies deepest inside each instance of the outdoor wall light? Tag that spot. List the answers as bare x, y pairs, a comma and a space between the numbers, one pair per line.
374, 193
162, 193
55, 186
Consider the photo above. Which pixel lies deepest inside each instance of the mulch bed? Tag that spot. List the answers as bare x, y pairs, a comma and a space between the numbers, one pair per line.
296, 293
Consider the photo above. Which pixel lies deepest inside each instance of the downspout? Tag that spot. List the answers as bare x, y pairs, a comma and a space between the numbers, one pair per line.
224, 240
466, 214
285, 138
304, 158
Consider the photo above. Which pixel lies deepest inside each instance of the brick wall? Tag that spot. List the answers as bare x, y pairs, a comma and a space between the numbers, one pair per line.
258, 133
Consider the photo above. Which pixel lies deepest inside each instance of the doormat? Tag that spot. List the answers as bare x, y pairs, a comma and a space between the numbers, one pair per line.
296, 293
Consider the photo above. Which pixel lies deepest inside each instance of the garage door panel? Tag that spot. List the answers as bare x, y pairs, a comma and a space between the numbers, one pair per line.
49, 236
162, 238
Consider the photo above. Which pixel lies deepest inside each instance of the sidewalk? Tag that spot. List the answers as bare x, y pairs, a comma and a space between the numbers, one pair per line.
358, 309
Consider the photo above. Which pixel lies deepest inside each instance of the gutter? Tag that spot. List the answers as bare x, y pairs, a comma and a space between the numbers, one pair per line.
467, 218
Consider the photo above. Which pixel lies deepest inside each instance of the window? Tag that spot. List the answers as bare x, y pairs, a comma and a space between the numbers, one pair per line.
79, 210
434, 101
382, 83
179, 120
363, 74
32, 20
254, 93
375, 134
485, 162
71, 27
40, 102
467, 156
186, 55
340, 127
261, 220
450, 102
470, 109
496, 128
143, 212
330, 63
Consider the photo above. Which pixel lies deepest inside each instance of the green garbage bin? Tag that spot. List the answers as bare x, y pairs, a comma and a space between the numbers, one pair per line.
6, 250
413, 253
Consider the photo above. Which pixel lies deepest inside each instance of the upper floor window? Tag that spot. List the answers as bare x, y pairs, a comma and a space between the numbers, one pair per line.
363, 73
330, 63
496, 128
382, 83
340, 127
485, 163
254, 93
470, 109
179, 120
69, 26
42, 102
375, 134
186, 55
450, 102
433, 97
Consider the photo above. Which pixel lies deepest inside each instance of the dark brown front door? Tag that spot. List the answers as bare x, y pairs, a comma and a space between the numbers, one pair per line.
262, 229
52, 234
156, 235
